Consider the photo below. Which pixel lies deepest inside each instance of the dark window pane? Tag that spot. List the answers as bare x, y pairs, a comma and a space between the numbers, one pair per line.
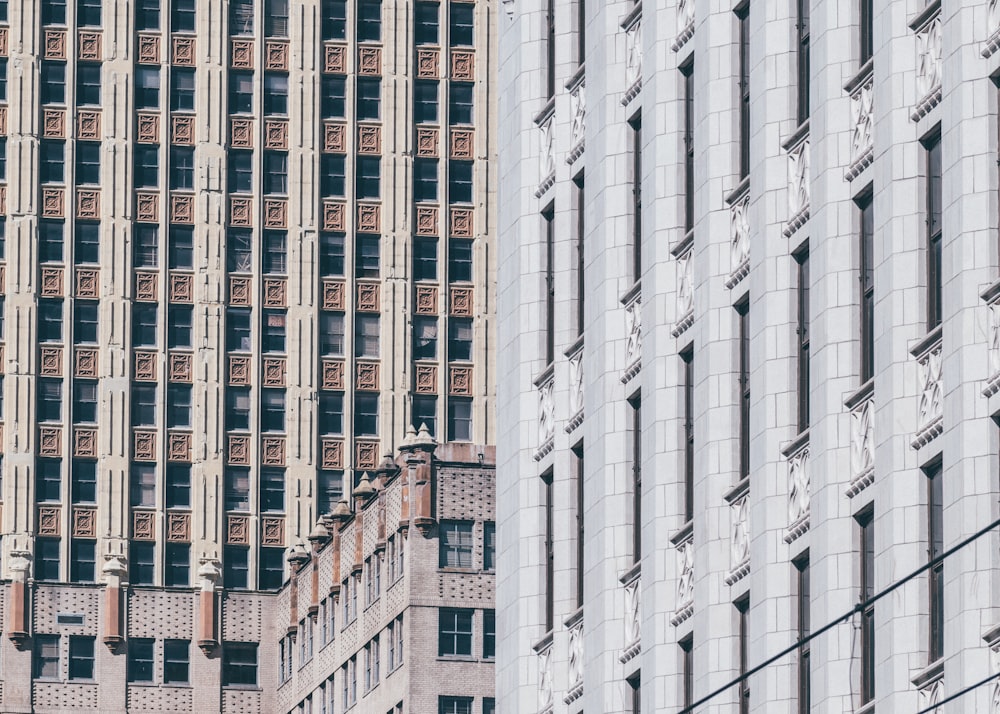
182, 167
86, 326
425, 23
237, 489
366, 414
334, 97
272, 568
460, 182
51, 160
88, 162
241, 17
83, 561
88, 243
425, 101
239, 250
183, 16
334, 20
331, 413
176, 659
142, 563
240, 92
459, 260
147, 15
460, 338
84, 481
369, 20
181, 247
88, 13
331, 256
366, 259
425, 259
425, 180
178, 491
146, 247
332, 172
274, 255
143, 484
369, 92
147, 166
147, 87
88, 84
460, 103
176, 574
140, 660
275, 93
461, 23
53, 82
50, 241
236, 567
81, 657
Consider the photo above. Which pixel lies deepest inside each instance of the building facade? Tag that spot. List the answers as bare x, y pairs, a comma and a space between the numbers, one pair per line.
389, 608
747, 389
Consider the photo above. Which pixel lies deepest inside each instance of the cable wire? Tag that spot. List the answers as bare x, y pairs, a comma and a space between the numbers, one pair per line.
956, 695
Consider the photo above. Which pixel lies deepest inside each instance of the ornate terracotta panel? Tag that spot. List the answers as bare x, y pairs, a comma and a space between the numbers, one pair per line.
335, 59
143, 525
88, 124
427, 220
367, 375
180, 367
369, 60
368, 297
85, 362
53, 202
50, 441
274, 372
147, 128
460, 381
146, 288
147, 207
144, 446
332, 456
87, 282
272, 452
55, 44
238, 530
369, 139
89, 45
427, 299
145, 366
239, 450
178, 527
183, 52
53, 123
241, 133
333, 374
334, 295
179, 446
182, 130
276, 134
51, 361
149, 49
427, 141
428, 62
241, 211
276, 55
52, 281
181, 208
242, 54
181, 287
365, 454
88, 203
3, 201
4, 43
85, 442
84, 523
239, 370
275, 213
334, 216
334, 138
3, 121
462, 143
463, 65
425, 379
239, 290
273, 531
460, 225
49, 521
461, 301
369, 218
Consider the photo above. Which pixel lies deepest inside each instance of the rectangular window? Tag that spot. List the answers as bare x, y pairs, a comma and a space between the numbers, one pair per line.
635, 406
275, 93
276, 18
687, 359
49, 399
424, 412
177, 568
147, 166
578, 517
145, 247
803, 607
240, 92
743, 17
179, 326
83, 561
274, 256
743, 315
425, 179
460, 419
88, 13
687, 671
460, 175
53, 12
425, 337
367, 180
802, 295
460, 32
331, 254
143, 485
239, 664
460, 103
489, 545
334, 97
548, 216
143, 405
51, 160
459, 260
548, 506
635, 690
802, 27
272, 490
275, 172
47, 559
181, 167
236, 567
88, 163
867, 282
53, 82
176, 661
50, 241
489, 634
181, 248
932, 147
238, 329
147, 15
330, 489
366, 414
331, 334
47, 656
366, 336
241, 17
369, 93
865, 30
866, 578
935, 576
50, 322
455, 544
369, 21
366, 258
425, 259
455, 705
239, 251
333, 170
425, 23
179, 405
550, 49
455, 633
178, 485
84, 481
237, 409
147, 87
272, 572
87, 242
425, 101
742, 615
636, 146
86, 325
88, 84
142, 563
334, 20
140, 660
48, 480
183, 15
581, 237
237, 489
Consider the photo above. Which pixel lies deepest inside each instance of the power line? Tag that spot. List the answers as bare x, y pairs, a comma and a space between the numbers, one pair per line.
956, 695
846, 616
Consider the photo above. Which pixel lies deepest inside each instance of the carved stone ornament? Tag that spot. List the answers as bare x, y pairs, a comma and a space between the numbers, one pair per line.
85, 362
334, 297
369, 218
368, 297
798, 185
993, 348
546, 413
862, 121
85, 442
182, 209
273, 531
181, 288
578, 125
52, 281
370, 60
241, 211
275, 213
239, 290
632, 619
144, 446
633, 333
89, 45
51, 359
53, 123
88, 124
460, 381
333, 454
427, 141
242, 54
179, 446
53, 202
369, 139
992, 28
84, 523
798, 487
545, 685
366, 454
366, 377
4, 42
461, 299
575, 661
180, 367
929, 58
335, 59
3, 121
333, 374
49, 521
241, 133
425, 378
50, 441
182, 129
931, 694
239, 370
275, 292
55, 44
460, 225
633, 60
143, 525
685, 292
276, 55
276, 134
334, 216
238, 530
147, 128
427, 220
576, 383
685, 578
178, 527
88, 203
428, 62
147, 207
183, 52
463, 65
149, 49
274, 372
239, 450
146, 289
739, 541
929, 408
334, 138
739, 239
272, 452
462, 143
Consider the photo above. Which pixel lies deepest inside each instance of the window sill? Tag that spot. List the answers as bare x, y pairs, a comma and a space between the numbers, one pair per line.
243, 687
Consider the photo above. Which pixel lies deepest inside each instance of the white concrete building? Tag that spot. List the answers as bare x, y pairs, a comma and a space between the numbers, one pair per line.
749, 356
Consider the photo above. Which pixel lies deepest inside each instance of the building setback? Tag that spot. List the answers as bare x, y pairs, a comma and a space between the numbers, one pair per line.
748, 358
